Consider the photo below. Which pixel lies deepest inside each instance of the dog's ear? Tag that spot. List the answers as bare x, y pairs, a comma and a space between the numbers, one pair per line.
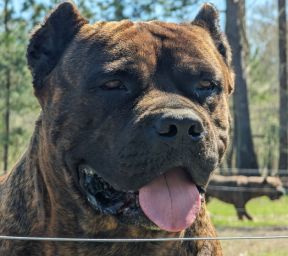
208, 18
50, 39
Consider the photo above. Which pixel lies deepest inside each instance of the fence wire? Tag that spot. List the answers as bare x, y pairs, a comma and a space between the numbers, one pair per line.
241, 189
137, 240
256, 172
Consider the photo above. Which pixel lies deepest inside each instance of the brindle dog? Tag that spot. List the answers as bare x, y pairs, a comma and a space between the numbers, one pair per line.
134, 120
238, 190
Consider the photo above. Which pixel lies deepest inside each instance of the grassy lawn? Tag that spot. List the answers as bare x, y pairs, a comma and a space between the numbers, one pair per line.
275, 247
270, 218
266, 213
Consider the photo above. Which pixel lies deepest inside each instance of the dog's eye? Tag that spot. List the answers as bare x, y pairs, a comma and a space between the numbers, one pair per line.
113, 85
207, 88
206, 84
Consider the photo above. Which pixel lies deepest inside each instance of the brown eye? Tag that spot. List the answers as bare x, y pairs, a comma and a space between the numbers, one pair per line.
205, 84
113, 85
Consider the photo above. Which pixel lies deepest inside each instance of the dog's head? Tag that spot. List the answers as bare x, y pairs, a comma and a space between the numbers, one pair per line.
137, 111
273, 187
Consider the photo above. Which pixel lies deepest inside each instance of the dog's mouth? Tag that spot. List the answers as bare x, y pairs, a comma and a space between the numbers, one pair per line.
171, 201
102, 196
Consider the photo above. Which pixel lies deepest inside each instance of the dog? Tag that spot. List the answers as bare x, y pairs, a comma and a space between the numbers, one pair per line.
238, 190
134, 119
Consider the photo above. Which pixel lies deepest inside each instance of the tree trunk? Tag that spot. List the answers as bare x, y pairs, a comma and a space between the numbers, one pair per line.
283, 104
242, 139
7, 94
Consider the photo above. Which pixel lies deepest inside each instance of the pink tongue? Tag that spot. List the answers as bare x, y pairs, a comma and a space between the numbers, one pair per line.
171, 201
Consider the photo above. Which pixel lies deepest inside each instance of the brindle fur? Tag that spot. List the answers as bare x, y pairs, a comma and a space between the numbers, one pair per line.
41, 195
256, 187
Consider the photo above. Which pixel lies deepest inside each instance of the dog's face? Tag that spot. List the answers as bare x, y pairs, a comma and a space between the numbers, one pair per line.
137, 111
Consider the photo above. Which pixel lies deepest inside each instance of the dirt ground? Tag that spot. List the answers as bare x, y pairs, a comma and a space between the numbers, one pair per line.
275, 247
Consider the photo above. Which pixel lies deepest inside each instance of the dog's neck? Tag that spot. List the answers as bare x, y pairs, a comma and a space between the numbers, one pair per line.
20, 192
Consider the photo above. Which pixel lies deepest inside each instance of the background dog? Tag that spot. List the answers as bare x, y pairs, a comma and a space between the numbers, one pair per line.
238, 190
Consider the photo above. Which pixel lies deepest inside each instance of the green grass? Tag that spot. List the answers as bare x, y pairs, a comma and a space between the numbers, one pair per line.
279, 252
265, 213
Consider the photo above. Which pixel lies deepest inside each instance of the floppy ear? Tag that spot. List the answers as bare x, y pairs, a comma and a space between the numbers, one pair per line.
208, 18
50, 39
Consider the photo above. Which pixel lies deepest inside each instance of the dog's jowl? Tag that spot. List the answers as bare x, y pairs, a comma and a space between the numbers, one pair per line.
134, 120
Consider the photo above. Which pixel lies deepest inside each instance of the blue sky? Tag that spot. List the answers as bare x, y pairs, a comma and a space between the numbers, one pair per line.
220, 4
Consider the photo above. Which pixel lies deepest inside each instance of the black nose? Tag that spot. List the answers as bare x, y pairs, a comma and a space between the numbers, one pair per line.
177, 125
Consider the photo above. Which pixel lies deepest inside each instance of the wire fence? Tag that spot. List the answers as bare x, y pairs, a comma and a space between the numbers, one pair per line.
256, 172
137, 240
242, 189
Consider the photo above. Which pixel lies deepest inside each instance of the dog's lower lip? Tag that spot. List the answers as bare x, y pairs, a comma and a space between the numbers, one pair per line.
101, 195
201, 189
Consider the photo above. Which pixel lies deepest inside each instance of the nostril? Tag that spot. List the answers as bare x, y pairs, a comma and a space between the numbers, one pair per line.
196, 132
170, 132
